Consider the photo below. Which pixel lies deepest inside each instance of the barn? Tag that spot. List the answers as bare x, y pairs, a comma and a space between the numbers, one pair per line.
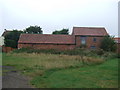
87, 37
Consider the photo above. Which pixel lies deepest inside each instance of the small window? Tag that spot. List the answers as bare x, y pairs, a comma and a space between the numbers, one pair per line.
92, 47
83, 40
94, 39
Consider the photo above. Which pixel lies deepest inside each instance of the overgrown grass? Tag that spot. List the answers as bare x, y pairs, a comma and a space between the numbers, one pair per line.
58, 70
47, 61
100, 76
78, 51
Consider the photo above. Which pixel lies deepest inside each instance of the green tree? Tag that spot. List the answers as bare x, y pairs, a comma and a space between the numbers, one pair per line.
11, 39
34, 30
63, 31
108, 44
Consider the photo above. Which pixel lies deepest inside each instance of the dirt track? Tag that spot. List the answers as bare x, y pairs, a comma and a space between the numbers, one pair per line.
13, 79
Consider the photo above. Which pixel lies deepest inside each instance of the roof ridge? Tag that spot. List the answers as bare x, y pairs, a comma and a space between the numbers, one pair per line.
98, 31
46, 34
88, 27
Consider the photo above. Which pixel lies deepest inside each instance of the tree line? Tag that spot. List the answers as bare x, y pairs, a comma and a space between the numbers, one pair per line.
11, 39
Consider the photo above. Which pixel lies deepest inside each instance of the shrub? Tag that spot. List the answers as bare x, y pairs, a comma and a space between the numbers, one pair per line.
20, 50
98, 52
30, 50
118, 55
108, 44
108, 55
78, 51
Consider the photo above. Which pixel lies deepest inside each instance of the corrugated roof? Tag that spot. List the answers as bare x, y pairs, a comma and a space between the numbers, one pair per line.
46, 38
92, 31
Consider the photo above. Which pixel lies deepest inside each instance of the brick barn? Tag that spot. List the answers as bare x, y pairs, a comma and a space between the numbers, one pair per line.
88, 37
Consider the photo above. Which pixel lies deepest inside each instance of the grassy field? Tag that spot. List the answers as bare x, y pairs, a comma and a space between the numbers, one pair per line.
65, 71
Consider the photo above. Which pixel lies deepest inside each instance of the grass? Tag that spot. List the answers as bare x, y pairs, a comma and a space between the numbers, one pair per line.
65, 71
46, 61
100, 76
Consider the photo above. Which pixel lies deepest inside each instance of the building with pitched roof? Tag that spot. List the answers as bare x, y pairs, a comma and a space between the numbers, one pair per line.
88, 37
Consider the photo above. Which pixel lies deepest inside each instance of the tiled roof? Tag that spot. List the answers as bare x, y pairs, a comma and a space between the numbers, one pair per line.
91, 31
117, 40
46, 38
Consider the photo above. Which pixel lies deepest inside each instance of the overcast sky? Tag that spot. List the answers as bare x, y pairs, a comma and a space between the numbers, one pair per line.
53, 15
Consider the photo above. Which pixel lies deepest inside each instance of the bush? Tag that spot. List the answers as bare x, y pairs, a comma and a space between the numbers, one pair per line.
98, 52
108, 44
20, 50
30, 50
118, 55
77, 51
108, 55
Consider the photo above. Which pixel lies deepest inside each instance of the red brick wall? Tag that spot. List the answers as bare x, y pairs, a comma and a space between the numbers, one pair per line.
118, 47
89, 41
47, 46
7, 49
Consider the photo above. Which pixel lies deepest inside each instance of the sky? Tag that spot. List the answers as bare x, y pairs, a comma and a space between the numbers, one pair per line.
53, 15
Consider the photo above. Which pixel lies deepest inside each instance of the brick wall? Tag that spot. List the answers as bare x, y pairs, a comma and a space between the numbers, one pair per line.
118, 47
89, 41
7, 49
47, 46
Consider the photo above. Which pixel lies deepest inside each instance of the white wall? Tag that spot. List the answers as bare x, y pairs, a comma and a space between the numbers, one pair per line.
1, 41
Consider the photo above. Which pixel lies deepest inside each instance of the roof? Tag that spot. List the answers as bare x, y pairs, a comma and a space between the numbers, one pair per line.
117, 40
90, 31
46, 39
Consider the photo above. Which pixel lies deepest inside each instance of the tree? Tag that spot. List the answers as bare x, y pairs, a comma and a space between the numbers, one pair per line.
33, 30
11, 39
108, 44
63, 31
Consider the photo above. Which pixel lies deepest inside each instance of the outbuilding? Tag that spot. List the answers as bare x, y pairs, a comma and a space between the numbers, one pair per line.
87, 37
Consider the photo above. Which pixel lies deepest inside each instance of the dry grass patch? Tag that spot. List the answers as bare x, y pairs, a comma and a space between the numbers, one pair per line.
49, 61
34, 64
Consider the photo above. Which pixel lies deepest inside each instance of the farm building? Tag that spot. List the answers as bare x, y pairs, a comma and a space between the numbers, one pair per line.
88, 37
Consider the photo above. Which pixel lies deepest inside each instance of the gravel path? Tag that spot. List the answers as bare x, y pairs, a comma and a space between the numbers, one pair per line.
13, 79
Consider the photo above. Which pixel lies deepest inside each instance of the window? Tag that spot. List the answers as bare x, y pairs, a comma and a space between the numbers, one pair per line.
94, 39
83, 40
93, 47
